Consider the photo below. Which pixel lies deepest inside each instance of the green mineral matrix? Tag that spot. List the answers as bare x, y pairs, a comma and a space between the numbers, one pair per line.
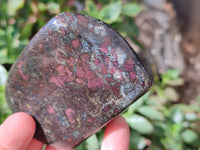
75, 75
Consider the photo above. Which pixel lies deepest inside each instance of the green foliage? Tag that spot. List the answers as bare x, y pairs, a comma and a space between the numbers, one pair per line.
119, 15
157, 121
131, 9
151, 113
108, 13
10, 46
175, 126
190, 137
140, 124
90, 144
4, 110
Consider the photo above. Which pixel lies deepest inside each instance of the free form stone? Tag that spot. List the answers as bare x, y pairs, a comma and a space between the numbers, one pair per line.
75, 75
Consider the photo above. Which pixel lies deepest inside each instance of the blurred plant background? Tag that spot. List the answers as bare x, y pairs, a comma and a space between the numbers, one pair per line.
158, 120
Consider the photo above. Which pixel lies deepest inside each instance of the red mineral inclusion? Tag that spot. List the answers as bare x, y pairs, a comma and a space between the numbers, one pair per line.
69, 112
21, 72
75, 75
50, 110
75, 43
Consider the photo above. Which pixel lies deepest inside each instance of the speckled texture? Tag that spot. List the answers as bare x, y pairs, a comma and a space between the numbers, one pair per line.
74, 76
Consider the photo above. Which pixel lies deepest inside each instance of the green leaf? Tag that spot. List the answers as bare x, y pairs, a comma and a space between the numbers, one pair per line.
4, 109
42, 7
137, 141
3, 9
44, 147
140, 124
111, 12
26, 31
171, 94
191, 117
171, 74
4, 60
92, 143
128, 29
175, 82
2, 32
9, 39
150, 113
131, 9
154, 147
100, 135
177, 115
53, 7
3, 53
171, 77
189, 136
14, 5
92, 9
156, 101
82, 146
3, 75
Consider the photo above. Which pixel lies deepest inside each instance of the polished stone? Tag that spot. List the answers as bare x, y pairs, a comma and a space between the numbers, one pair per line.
75, 75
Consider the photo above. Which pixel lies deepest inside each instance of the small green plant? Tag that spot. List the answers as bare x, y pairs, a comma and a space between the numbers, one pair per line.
4, 110
116, 13
166, 125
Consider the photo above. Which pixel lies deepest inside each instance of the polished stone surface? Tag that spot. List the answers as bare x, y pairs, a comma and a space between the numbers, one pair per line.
75, 75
